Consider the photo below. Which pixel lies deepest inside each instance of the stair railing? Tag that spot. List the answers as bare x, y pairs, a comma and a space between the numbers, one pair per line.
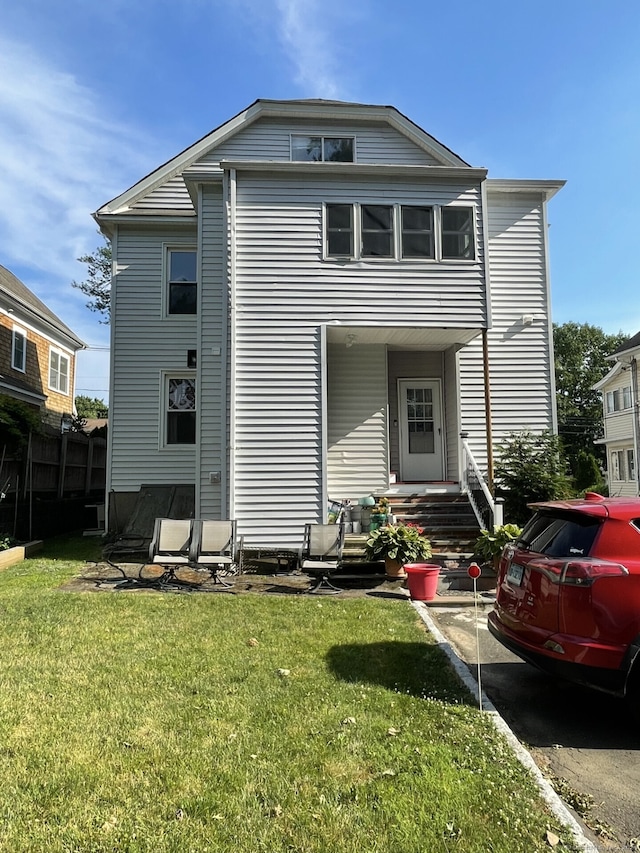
489, 512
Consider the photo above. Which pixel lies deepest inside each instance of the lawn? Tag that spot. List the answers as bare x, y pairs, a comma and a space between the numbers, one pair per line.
157, 722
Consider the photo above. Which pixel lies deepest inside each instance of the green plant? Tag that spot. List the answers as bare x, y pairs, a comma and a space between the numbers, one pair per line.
491, 542
402, 542
530, 468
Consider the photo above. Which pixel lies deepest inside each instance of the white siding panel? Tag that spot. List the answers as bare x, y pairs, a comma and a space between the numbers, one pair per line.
172, 195
357, 461
140, 351
519, 355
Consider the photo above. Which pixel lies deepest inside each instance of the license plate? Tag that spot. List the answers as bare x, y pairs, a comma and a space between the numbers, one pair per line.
515, 574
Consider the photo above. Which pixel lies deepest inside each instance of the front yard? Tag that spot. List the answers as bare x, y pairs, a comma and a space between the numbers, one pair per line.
159, 722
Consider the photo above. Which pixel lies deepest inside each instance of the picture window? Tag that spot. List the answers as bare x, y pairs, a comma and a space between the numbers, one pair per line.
322, 149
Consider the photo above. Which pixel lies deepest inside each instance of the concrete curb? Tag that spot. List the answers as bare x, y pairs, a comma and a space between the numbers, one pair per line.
553, 800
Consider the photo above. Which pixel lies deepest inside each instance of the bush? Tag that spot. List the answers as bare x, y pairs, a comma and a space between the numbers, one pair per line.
530, 467
587, 476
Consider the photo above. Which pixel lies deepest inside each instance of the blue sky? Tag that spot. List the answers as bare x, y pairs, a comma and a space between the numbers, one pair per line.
95, 95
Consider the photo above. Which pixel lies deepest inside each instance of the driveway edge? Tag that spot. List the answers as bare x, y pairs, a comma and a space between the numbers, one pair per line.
553, 800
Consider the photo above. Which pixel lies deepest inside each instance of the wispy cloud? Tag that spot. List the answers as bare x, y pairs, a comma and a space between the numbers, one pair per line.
311, 47
60, 158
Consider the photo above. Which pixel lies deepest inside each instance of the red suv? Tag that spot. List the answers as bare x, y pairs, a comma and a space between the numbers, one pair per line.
568, 593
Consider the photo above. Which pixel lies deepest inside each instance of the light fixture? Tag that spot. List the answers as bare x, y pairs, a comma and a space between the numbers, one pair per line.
527, 319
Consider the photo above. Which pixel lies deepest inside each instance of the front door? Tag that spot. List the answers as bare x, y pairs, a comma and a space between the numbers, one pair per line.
420, 426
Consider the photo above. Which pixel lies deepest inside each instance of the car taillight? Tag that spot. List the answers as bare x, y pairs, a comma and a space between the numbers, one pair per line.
585, 572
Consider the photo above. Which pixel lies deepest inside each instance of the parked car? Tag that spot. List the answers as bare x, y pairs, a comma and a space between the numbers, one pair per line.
568, 593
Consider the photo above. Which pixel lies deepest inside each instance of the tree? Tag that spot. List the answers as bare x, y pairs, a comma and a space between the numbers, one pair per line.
580, 362
17, 420
98, 283
88, 407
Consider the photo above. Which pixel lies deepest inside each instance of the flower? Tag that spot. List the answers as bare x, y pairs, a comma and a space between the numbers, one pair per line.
402, 542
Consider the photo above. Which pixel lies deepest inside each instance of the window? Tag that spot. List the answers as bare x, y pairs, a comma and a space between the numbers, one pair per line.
319, 149
457, 233
425, 232
58, 371
339, 220
377, 231
181, 410
417, 232
619, 399
631, 465
19, 350
617, 465
183, 288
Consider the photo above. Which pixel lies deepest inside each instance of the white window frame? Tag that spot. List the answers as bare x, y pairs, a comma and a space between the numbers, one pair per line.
618, 400
617, 465
322, 137
631, 464
56, 386
165, 379
168, 248
397, 256
19, 333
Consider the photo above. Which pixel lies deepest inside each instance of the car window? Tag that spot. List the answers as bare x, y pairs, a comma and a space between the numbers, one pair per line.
560, 535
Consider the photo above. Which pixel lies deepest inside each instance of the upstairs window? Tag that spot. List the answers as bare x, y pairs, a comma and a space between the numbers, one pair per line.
631, 464
19, 350
377, 231
180, 410
339, 219
183, 287
322, 149
457, 234
58, 371
619, 400
417, 232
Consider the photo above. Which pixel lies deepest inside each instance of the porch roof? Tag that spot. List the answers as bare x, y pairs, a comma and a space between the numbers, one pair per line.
400, 337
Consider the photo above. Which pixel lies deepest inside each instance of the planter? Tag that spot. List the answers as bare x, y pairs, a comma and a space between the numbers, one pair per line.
422, 580
394, 569
18, 553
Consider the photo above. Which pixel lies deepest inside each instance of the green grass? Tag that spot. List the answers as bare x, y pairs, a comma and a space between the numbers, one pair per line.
160, 722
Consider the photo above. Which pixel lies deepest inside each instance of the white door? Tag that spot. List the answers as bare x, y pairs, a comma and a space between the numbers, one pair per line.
420, 425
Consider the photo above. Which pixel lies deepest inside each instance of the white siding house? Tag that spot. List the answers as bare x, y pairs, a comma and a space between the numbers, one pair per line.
620, 401
313, 302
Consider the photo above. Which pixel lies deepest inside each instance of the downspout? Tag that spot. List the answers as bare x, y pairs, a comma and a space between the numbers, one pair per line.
229, 341
485, 334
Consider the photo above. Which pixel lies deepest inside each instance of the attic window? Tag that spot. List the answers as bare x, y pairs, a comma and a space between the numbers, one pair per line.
322, 149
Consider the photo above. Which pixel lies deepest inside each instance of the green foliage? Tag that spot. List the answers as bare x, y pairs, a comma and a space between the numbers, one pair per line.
90, 407
17, 420
7, 541
491, 542
530, 467
98, 282
586, 473
402, 542
580, 361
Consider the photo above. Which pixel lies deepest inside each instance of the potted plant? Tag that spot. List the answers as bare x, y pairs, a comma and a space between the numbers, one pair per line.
489, 545
398, 544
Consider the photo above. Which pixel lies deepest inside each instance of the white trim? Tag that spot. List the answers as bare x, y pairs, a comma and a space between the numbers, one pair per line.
549, 336
484, 201
230, 251
25, 324
16, 332
61, 355
506, 185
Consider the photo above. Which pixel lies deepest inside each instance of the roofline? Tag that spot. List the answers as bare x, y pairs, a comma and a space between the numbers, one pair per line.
324, 110
61, 329
338, 168
508, 185
617, 367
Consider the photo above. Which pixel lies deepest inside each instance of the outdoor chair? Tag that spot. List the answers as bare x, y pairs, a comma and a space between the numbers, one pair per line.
320, 555
216, 548
170, 545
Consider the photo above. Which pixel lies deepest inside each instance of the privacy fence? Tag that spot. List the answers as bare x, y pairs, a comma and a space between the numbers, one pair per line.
46, 486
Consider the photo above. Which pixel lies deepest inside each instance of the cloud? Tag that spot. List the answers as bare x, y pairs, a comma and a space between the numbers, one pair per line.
60, 159
311, 47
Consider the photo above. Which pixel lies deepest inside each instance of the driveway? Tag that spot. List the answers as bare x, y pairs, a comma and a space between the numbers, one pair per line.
582, 738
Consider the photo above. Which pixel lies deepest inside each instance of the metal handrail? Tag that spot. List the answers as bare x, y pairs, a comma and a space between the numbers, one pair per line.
489, 512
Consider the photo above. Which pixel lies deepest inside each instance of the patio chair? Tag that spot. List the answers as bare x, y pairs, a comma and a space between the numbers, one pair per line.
170, 545
216, 548
320, 555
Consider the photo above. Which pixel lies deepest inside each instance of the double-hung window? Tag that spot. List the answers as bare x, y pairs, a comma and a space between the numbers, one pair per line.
631, 464
617, 465
19, 350
399, 232
58, 371
619, 399
182, 281
322, 149
180, 402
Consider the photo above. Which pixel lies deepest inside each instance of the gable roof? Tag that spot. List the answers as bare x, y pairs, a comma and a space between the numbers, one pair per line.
631, 343
12, 289
313, 108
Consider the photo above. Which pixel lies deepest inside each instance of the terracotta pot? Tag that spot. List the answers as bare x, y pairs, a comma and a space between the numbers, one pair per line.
394, 568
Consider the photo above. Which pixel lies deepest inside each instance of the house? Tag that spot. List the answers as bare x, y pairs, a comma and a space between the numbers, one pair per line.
37, 352
619, 389
318, 300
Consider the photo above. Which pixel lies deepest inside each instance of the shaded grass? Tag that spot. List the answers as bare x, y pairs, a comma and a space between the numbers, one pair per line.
155, 722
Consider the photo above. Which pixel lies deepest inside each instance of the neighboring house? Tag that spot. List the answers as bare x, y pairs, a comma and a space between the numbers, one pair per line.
313, 302
620, 398
37, 352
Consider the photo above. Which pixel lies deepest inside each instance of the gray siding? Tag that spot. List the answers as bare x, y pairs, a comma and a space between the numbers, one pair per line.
144, 343
357, 462
519, 355
172, 195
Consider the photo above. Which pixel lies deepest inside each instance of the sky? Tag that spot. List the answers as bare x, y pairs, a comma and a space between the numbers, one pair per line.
95, 95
